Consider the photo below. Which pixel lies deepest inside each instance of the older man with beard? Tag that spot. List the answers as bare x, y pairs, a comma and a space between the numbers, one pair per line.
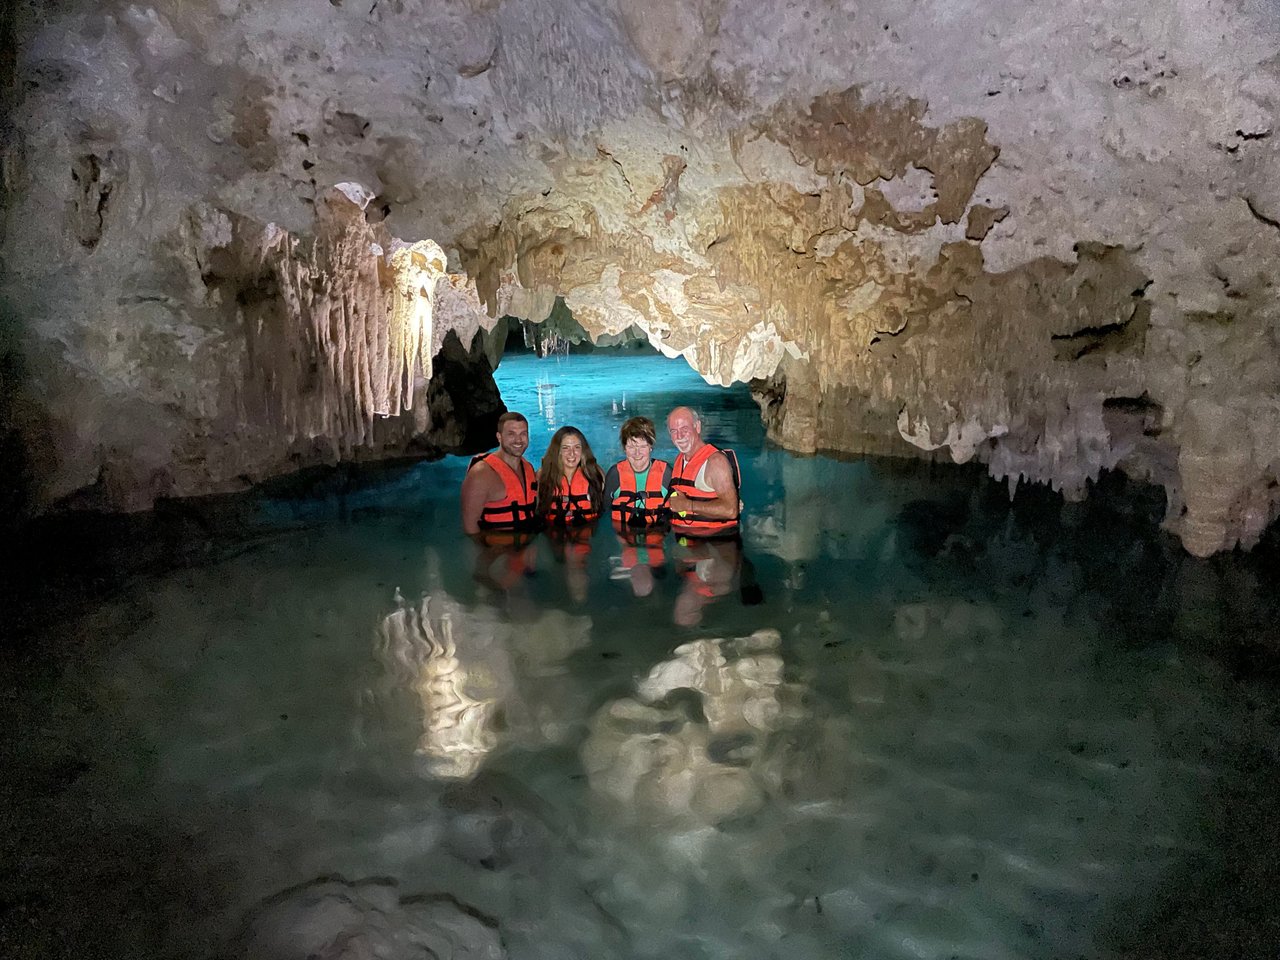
704, 501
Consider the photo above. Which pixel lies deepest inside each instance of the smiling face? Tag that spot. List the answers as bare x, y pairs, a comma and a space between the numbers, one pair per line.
570, 453
685, 429
638, 451
513, 438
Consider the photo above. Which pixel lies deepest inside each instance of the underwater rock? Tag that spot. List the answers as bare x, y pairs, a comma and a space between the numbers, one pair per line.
464, 666
693, 762
332, 919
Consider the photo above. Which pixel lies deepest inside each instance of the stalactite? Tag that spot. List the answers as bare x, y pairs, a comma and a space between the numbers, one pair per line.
338, 329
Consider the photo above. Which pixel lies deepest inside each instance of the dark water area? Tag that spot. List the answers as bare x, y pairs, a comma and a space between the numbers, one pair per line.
907, 718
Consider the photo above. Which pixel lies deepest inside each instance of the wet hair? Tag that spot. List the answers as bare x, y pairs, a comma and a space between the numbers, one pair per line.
509, 417
550, 474
641, 427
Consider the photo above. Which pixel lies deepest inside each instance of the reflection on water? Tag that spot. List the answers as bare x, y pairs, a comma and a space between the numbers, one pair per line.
693, 763
791, 526
903, 719
458, 700
708, 571
480, 678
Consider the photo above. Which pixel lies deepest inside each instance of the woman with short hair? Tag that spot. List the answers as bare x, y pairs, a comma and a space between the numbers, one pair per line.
637, 485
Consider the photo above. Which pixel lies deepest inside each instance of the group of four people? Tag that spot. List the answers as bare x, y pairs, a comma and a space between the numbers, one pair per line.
697, 497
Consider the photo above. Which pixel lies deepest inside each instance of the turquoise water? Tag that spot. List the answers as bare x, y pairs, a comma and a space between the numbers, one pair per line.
905, 721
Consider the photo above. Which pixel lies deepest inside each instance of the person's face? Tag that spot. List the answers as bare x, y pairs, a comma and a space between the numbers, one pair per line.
684, 431
570, 453
638, 451
513, 438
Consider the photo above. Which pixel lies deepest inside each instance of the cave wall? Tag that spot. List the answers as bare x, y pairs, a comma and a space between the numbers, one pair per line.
1039, 237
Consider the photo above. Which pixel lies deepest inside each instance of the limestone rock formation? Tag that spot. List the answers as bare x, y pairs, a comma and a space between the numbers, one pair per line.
1042, 238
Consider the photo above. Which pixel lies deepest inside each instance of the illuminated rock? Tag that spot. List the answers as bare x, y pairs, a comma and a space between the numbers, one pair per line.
656, 761
462, 667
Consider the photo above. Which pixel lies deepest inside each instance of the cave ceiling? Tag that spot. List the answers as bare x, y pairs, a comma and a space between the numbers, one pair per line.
1039, 236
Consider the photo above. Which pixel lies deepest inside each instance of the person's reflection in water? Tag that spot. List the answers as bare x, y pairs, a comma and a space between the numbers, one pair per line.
505, 561
642, 559
708, 570
571, 547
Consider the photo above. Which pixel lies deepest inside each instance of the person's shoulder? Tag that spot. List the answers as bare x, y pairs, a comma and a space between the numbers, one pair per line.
719, 462
483, 470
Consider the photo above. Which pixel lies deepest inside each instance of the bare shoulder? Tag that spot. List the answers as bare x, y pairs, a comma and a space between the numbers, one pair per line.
718, 468
481, 475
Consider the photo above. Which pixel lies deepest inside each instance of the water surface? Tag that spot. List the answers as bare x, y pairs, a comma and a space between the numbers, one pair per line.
906, 720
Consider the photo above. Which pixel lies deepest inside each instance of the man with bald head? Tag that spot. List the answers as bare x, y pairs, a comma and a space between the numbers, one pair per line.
704, 499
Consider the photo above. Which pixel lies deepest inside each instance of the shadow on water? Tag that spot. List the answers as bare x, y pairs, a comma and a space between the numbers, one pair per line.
75, 879
1148, 594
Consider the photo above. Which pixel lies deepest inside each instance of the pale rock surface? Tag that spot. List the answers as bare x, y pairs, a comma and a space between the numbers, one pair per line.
337, 920
1039, 237
647, 756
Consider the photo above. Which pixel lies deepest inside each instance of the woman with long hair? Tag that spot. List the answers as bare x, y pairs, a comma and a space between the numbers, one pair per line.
570, 482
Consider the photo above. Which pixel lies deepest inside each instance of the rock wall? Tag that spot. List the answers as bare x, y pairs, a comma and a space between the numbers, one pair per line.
1039, 238
310, 350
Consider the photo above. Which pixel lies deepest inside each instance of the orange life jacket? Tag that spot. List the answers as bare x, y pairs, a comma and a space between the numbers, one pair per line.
512, 559
683, 476
514, 509
626, 510
634, 540
571, 543
572, 502
507, 538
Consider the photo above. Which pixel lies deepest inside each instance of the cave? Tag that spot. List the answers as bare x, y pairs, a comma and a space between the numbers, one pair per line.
974, 304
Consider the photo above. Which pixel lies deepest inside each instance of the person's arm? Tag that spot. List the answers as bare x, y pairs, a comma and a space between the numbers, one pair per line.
477, 490
611, 484
599, 496
720, 479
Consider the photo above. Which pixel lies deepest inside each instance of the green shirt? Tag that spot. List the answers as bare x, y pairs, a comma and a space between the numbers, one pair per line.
641, 479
